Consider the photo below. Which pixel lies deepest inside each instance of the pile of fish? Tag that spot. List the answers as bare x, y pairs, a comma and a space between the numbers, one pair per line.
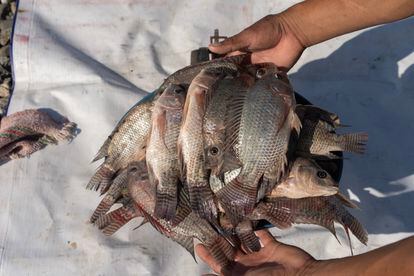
217, 148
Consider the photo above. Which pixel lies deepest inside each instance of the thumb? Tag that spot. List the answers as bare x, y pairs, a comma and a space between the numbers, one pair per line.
237, 42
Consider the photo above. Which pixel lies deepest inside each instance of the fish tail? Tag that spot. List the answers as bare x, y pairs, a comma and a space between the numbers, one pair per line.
354, 142
230, 196
221, 251
101, 209
202, 201
350, 222
166, 204
247, 237
346, 201
68, 132
102, 177
113, 221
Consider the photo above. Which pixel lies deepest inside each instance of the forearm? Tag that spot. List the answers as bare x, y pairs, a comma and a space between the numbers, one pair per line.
393, 259
314, 21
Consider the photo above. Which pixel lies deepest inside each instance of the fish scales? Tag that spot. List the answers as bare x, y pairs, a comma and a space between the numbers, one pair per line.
191, 143
266, 121
318, 135
214, 128
126, 143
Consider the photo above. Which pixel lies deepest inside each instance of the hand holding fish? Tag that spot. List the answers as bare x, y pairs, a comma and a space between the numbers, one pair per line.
274, 258
281, 38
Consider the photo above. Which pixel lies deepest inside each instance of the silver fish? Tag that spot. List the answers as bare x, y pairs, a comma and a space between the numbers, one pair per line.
191, 143
266, 119
318, 137
305, 179
126, 143
162, 155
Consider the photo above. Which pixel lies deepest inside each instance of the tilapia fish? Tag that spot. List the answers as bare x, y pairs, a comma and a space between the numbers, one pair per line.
214, 126
185, 226
191, 143
323, 211
318, 137
25, 132
267, 117
305, 179
126, 143
162, 154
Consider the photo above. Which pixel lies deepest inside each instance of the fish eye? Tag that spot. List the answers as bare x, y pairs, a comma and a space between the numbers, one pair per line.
260, 72
214, 151
178, 90
322, 174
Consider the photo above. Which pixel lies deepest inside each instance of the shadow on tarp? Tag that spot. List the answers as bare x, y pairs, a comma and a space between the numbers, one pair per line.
361, 82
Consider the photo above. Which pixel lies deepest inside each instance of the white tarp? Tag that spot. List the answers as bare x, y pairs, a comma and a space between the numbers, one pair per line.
92, 59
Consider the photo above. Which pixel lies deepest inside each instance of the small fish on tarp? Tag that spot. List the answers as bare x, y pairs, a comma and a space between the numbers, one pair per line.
318, 137
25, 132
162, 153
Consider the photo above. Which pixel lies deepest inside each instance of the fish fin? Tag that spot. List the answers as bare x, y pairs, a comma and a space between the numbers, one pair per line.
249, 240
112, 196
101, 209
103, 176
272, 176
67, 132
230, 199
202, 200
315, 113
113, 221
103, 151
221, 250
346, 201
166, 203
279, 217
180, 157
354, 142
144, 221
295, 122
186, 242
348, 221
159, 126
232, 120
230, 162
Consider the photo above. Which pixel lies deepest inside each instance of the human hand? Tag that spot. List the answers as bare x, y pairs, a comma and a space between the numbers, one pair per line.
274, 258
269, 40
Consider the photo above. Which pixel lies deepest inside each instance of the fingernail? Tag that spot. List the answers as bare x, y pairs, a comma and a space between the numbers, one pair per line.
215, 44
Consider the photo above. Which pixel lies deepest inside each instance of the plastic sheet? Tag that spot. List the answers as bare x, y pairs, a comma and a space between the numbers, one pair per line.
93, 59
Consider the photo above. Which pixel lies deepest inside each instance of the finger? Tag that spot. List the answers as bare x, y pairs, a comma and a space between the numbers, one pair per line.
206, 257
231, 44
265, 237
235, 53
